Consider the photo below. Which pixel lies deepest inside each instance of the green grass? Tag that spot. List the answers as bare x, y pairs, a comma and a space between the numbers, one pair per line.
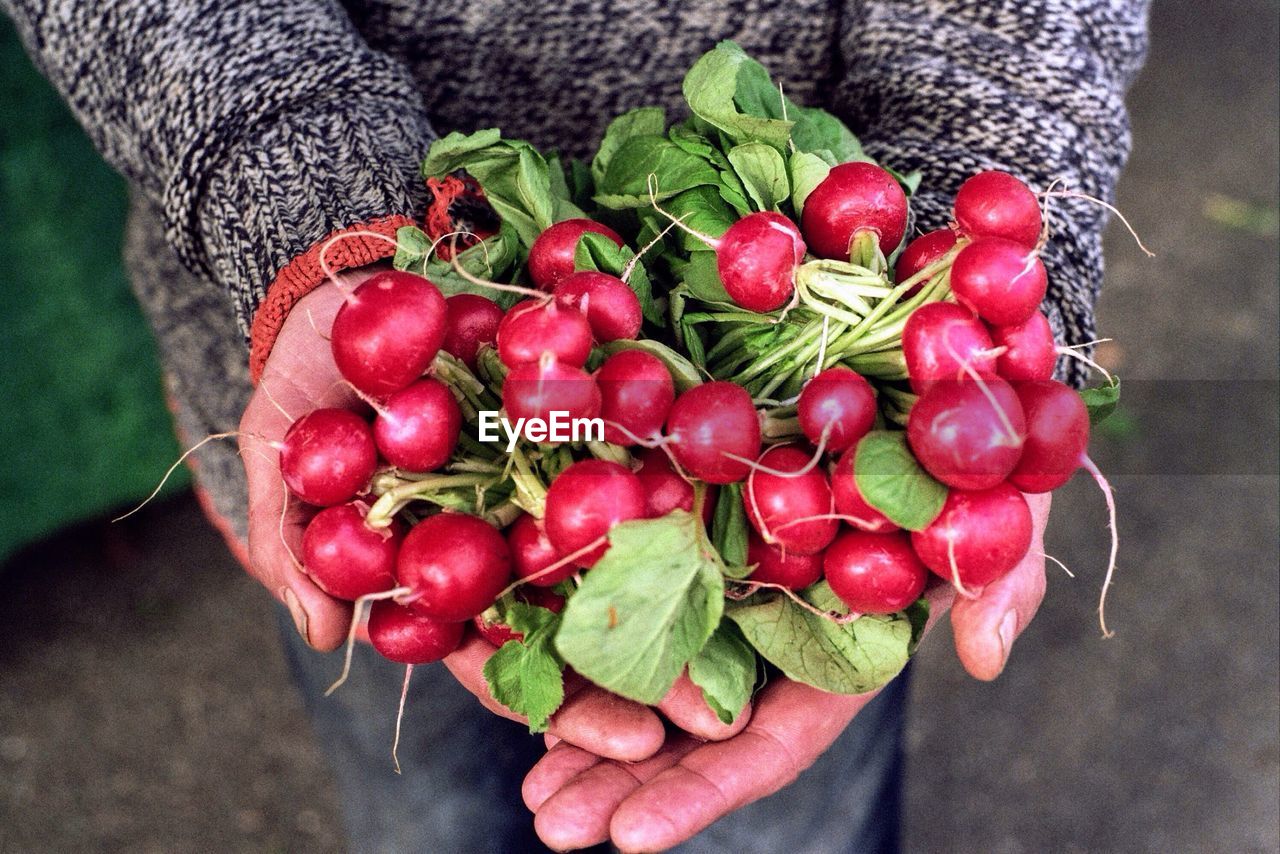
84, 428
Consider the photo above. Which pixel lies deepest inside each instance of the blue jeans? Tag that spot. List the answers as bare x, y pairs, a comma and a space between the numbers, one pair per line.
460, 790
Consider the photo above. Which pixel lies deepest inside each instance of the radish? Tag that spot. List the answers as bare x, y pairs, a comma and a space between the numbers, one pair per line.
636, 393
1030, 352
757, 258
534, 327
585, 501
940, 339
665, 490
977, 538
453, 565
1002, 281
849, 501
1057, 436
472, 322
778, 566
551, 257
532, 552
497, 633
838, 403
782, 507
996, 204
969, 435
345, 557
874, 573
417, 428
853, 197
327, 456
388, 331
536, 389
920, 253
612, 309
406, 636
708, 422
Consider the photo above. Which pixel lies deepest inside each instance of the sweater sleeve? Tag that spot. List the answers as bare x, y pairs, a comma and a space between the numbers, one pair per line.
1033, 87
259, 128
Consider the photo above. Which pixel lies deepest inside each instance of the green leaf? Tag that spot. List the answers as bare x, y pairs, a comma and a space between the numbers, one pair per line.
526, 675
819, 132
643, 121
725, 670
646, 608
598, 252
702, 278
729, 530
807, 172
1100, 402
763, 173
412, 246
625, 183
893, 481
710, 88
491, 259
852, 658
447, 154
683, 373
702, 209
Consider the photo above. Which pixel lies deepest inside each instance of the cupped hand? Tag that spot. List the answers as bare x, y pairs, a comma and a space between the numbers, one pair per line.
581, 799
300, 376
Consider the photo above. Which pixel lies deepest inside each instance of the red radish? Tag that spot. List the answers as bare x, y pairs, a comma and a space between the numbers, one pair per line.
327, 456
757, 259
536, 389
586, 501
849, 501
551, 256
777, 566
977, 538
665, 490
708, 422
404, 635
922, 252
636, 393
472, 322
454, 565
534, 327
969, 435
345, 557
776, 503
388, 331
497, 633
939, 339
1057, 436
1002, 281
996, 204
841, 400
1030, 351
612, 308
417, 428
874, 573
532, 552
853, 197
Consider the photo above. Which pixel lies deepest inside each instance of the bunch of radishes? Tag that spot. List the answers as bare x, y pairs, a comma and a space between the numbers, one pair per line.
804, 413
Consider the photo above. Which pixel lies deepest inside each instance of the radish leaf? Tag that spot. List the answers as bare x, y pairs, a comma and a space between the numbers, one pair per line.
893, 481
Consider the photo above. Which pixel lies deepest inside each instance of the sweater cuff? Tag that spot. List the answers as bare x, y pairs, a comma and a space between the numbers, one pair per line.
298, 180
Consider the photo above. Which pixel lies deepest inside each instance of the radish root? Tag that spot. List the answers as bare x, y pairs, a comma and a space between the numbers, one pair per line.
357, 610
1092, 468
404, 694
169, 473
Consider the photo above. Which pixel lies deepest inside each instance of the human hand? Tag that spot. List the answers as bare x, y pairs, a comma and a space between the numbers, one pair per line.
580, 799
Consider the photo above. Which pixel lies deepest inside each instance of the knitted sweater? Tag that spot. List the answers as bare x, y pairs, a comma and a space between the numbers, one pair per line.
251, 131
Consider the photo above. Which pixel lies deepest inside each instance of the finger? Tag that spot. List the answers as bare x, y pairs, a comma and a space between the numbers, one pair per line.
685, 707
985, 627
579, 813
791, 726
560, 765
590, 718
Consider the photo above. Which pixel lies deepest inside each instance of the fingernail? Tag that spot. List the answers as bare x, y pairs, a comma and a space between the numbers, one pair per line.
295, 608
1008, 626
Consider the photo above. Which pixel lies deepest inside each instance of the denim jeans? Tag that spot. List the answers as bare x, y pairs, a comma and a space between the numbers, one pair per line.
463, 767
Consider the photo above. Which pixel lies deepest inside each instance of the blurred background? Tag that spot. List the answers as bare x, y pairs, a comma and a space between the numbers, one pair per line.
144, 704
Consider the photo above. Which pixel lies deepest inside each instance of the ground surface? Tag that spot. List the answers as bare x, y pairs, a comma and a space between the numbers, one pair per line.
144, 705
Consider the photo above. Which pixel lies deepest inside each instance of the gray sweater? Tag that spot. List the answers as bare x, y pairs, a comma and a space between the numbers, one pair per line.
250, 130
